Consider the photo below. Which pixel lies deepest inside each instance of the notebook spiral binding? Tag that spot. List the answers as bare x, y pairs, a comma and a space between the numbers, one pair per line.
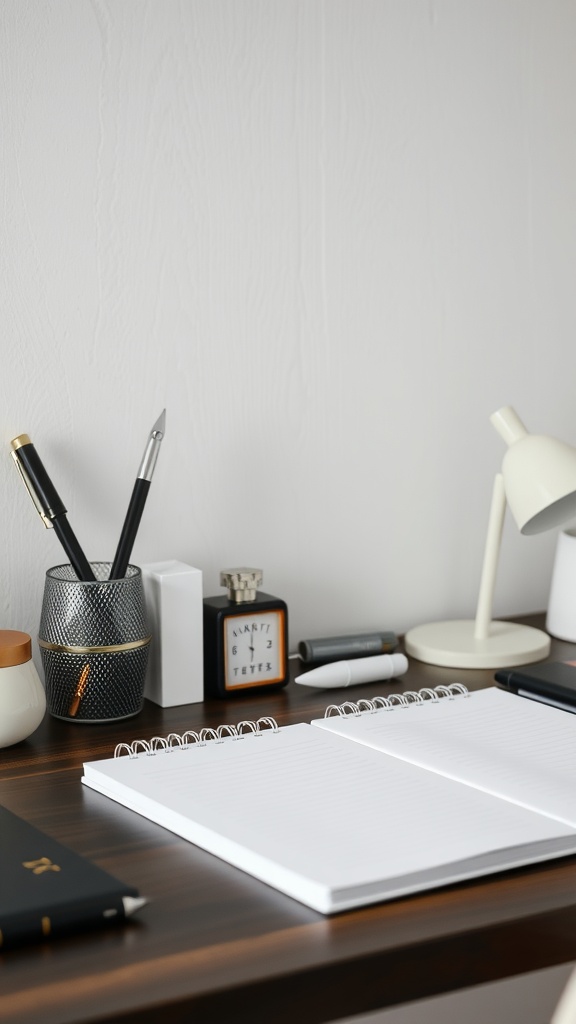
395, 700
166, 744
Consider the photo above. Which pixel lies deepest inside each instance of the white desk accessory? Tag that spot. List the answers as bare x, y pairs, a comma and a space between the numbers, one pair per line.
173, 592
538, 483
352, 673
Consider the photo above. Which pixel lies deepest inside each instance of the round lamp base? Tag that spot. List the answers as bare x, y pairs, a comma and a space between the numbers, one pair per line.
454, 645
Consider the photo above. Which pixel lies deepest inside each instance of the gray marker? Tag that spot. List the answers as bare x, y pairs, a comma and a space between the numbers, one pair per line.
336, 648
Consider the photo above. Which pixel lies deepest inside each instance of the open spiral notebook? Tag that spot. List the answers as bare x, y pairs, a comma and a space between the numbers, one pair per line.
376, 800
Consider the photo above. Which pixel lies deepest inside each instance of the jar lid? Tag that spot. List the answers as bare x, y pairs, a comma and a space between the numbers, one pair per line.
15, 647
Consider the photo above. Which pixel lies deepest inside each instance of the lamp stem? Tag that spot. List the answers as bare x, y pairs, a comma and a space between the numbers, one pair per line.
490, 564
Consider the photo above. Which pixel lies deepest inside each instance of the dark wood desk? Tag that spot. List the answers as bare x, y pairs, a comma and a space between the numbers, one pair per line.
217, 945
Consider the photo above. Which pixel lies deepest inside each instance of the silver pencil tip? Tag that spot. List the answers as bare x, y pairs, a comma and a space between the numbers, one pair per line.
160, 425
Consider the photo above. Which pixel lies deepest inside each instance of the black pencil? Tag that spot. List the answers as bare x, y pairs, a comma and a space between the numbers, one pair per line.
138, 500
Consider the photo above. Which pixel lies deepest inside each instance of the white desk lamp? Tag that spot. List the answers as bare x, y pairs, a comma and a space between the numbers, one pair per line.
538, 480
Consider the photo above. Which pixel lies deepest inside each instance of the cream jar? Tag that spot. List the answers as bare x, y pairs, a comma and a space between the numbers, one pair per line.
22, 697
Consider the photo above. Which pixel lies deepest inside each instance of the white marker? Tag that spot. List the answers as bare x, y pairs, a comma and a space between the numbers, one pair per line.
352, 673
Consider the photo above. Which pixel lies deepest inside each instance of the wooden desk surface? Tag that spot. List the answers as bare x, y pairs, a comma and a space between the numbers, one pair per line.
214, 944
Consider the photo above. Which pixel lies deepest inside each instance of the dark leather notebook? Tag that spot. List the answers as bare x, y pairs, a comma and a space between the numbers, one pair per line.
45, 888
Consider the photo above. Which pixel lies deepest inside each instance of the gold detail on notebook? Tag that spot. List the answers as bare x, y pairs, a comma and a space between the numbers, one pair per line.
38, 867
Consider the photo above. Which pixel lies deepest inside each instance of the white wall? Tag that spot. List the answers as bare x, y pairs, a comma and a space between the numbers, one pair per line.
331, 237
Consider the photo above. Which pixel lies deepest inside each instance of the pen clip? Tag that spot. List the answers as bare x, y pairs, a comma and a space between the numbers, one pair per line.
28, 484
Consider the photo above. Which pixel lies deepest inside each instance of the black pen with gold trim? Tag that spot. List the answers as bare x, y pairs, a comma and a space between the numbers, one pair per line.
48, 503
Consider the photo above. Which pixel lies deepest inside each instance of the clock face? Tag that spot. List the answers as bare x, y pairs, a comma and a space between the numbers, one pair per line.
254, 653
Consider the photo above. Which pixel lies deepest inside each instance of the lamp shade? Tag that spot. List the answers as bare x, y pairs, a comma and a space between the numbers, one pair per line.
539, 475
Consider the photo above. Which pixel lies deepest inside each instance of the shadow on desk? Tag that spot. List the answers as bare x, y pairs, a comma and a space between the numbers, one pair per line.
526, 999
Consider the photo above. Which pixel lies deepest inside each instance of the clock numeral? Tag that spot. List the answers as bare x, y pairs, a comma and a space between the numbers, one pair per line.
254, 648
254, 627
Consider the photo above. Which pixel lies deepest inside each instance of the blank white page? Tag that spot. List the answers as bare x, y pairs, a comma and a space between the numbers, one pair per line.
495, 741
327, 821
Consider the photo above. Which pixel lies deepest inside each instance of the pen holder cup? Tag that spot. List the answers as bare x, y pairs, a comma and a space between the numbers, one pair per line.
94, 643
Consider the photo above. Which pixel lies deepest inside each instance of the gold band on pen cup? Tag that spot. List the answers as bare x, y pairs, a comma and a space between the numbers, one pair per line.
131, 645
106, 649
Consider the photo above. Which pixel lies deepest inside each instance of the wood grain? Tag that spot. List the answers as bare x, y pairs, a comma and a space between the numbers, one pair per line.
216, 944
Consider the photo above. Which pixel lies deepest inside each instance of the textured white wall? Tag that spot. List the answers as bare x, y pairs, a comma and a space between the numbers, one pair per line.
331, 238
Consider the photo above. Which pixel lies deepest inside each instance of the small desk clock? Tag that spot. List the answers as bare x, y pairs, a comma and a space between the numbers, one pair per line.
245, 637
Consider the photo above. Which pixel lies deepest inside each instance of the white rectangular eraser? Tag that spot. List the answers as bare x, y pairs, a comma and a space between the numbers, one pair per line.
174, 603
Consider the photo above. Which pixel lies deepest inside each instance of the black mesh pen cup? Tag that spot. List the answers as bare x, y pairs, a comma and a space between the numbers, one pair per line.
94, 643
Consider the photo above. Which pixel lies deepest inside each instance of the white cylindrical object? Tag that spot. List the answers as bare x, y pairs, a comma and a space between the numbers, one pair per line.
352, 673
490, 563
561, 616
22, 696
377, 669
